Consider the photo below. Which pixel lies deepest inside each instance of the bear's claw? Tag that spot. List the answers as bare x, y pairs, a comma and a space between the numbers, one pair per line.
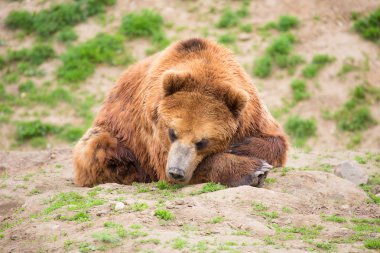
257, 178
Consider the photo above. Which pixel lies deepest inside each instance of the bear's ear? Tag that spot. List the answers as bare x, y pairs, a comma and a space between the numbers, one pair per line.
236, 100
174, 81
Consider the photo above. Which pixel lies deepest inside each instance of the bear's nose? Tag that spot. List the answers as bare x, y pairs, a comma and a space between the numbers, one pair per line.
176, 173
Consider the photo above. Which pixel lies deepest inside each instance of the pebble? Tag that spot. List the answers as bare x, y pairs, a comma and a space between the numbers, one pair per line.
55, 227
351, 171
244, 36
119, 206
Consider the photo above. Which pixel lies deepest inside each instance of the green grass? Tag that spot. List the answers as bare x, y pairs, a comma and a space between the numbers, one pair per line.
372, 243
67, 35
179, 243
145, 23
262, 66
300, 129
30, 129
55, 18
299, 89
279, 52
227, 39
35, 55
369, 26
138, 207
247, 28
210, 187
79, 62
257, 206
106, 236
355, 115
217, 219
164, 214
287, 22
317, 64
229, 18
270, 215
371, 186
334, 218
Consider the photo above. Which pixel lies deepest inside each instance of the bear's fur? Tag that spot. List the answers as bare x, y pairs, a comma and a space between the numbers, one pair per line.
190, 112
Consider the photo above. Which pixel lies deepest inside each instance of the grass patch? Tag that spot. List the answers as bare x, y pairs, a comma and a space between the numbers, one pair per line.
30, 129
67, 35
334, 218
368, 27
300, 129
57, 17
145, 23
138, 207
215, 220
299, 89
229, 18
164, 214
317, 64
179, 243
257, 206
79, 62
210, 187
279, 52
372, 243
355, 115
287, 22
227, 39
371, 187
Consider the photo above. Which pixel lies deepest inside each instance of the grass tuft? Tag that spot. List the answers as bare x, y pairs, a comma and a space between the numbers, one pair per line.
369, 26
164, 214
299, 89
300, 129
317, 64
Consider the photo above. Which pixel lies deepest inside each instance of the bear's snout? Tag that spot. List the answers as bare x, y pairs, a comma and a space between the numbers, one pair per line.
176, 173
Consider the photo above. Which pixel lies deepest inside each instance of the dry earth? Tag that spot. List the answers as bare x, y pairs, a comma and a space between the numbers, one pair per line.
243, 219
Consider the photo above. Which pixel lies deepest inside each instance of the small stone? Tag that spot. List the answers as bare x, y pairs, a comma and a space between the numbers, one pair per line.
179, 202
244, 36
351, 171
101, 213
119, 206
344, 207
14, 237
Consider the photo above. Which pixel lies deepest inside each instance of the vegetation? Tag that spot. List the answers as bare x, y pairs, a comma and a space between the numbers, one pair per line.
299, 89
145, 23
319, 61
355, 114
300, 129
368, 27
67, 35
210, 187
164, 214
79, 62
57, 17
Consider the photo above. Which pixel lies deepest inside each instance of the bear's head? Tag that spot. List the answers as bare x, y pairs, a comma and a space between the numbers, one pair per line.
196, 119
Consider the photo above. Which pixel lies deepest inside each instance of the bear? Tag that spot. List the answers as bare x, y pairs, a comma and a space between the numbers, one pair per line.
189, 114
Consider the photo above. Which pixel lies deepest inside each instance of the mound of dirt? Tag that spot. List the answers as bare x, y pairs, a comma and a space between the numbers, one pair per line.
296, 211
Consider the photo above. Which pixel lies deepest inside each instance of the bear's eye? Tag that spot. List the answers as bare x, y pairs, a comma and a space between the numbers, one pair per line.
201, 144
172, 135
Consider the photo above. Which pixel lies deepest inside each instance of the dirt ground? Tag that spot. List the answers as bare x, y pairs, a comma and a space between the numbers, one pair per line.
42, 211
243, 219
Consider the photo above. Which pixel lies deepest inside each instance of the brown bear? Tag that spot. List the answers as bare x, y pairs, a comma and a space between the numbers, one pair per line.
189, 114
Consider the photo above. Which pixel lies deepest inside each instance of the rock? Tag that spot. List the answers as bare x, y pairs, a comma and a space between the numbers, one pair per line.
179, 202
54, 226
244, 36
119, 206
14, 237
351, 171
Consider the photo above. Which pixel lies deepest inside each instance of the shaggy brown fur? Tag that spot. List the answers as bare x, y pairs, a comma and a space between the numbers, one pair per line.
198, 90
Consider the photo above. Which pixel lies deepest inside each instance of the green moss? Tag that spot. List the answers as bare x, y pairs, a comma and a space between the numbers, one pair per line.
368, 27
300, 129
164, 214
262, 67
79, 62
317, 64
299, 89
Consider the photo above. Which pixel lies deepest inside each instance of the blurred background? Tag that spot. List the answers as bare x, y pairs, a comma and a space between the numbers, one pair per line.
315, 63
